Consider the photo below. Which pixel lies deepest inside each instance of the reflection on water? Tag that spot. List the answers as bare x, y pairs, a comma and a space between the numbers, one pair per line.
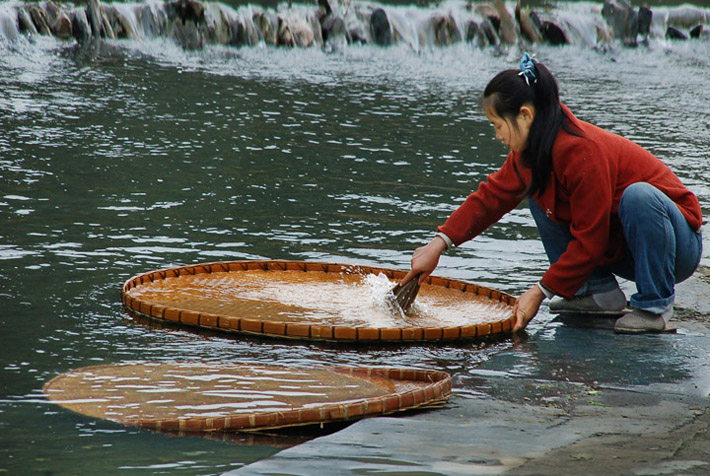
133, 157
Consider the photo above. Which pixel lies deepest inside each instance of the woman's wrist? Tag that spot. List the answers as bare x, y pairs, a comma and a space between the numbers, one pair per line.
547, 293
447, 241
438, 245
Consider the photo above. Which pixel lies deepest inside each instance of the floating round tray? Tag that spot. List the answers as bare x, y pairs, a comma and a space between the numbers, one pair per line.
310, 300
192, 397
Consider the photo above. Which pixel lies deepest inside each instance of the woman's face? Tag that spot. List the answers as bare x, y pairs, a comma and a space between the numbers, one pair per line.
513, 134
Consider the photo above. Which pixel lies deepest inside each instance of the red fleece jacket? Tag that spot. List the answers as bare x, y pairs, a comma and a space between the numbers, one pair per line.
590, 173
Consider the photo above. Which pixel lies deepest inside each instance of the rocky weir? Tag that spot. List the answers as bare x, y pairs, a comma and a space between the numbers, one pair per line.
331, 24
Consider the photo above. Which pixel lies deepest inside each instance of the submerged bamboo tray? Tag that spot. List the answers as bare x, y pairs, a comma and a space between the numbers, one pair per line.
202, 295
207, 397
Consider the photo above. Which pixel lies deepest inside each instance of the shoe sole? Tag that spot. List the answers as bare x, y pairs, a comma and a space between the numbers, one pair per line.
668, 329
569, 312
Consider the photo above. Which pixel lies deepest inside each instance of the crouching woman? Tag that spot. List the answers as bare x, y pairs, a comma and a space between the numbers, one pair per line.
603, 205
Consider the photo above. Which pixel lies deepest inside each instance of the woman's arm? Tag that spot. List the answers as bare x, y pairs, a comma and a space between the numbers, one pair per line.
502, 191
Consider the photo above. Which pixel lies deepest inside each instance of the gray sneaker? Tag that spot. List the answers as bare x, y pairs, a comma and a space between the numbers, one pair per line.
639, 321
586, 305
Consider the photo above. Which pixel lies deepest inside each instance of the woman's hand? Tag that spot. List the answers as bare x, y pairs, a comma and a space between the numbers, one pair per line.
425, 259
527, 307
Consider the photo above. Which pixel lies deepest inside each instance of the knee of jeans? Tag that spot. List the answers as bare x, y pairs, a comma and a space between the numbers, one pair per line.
637, 194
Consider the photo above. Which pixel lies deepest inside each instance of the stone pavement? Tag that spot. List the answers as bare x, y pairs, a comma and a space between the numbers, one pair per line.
568, 398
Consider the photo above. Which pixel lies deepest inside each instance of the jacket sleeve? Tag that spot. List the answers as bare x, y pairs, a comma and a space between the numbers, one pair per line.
502, 191
589, 180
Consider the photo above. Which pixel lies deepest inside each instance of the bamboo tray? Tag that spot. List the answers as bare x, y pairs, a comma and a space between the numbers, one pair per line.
312, 300
208, 397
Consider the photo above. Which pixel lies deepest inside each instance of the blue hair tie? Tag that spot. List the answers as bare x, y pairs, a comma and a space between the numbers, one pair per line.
527, 69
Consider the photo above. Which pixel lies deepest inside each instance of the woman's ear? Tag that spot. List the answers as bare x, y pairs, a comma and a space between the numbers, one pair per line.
527, 113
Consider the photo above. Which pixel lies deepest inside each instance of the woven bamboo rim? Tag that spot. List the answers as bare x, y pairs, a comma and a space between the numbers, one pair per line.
306, 331
418, 389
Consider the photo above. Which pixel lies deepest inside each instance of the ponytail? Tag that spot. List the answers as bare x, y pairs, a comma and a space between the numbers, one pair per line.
533, 84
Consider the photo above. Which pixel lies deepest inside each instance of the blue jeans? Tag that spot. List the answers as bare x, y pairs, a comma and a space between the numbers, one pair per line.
661, 248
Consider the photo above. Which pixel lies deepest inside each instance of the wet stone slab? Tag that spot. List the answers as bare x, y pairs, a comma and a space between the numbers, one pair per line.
565, 399
489, 436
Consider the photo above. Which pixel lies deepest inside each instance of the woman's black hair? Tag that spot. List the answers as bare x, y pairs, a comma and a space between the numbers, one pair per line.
507, 92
